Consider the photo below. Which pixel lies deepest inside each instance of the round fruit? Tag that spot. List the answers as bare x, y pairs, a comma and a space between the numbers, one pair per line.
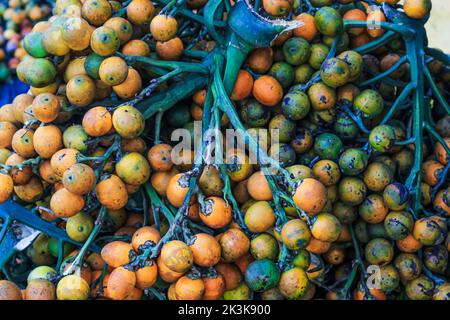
72, 287
295, 234
335, 72
128, 122
417, 9
40, 73
328, 21
370, 103
262, 275
79, 227
382, 138
310, 195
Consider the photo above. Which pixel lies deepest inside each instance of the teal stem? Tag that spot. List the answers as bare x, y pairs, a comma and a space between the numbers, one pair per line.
372, 45
158, 119
285, 254
60, 253
157, 203
227, 107
212, 8
334, 47
33, 162
415, 56
227, 192
440, 98
237, 52
382, 75
156, 293
389, 80
144, 206
193, 67
349, 282
100, 279
405, 142
403, 95
196, 54
98, 226
405, 31
257, 5
179, 217
165, 100
227, 5
436, 135
356, 119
